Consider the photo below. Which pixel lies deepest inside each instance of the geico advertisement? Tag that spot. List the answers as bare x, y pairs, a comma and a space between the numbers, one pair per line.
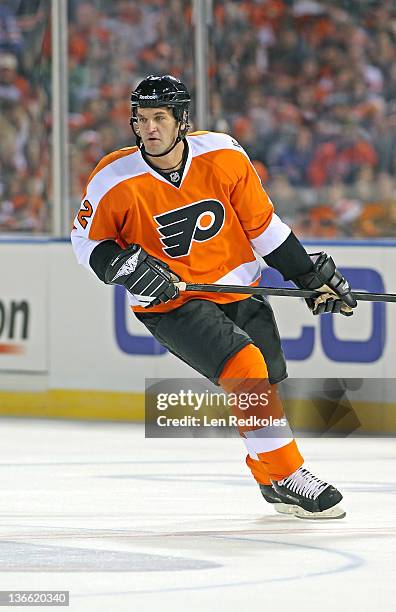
95, 341
23, 304
316, 346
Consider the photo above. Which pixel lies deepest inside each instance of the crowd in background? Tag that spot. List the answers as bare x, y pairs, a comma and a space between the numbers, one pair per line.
308, 88
25, 118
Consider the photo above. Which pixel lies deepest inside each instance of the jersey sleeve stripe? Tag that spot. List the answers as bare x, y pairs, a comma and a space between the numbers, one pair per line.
272, 237
245, 274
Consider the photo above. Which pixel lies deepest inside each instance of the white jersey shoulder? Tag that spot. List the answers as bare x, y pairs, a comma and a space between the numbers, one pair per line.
206, 142
116, 171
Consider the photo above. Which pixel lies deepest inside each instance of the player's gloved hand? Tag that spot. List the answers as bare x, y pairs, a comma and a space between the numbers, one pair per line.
148, 279
326, 279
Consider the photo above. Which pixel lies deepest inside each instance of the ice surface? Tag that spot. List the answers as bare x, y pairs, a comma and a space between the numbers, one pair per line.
127, 524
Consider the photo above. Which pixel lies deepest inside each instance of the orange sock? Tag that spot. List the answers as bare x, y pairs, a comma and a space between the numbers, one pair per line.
283, 461
259, 470
270, 457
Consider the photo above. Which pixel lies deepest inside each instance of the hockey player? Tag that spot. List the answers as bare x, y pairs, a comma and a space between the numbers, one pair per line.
191, 207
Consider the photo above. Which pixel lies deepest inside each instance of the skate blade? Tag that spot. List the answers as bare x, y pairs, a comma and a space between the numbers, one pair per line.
336, 512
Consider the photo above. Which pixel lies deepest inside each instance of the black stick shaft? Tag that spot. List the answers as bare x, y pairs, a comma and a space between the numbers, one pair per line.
279, 291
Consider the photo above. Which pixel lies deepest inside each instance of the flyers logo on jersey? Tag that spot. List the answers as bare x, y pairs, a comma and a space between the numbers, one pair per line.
195, 222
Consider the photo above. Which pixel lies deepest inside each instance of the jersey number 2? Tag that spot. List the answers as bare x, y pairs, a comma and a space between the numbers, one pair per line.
85, 213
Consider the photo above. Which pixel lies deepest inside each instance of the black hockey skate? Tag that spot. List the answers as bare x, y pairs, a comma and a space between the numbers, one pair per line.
304, 495
269, 494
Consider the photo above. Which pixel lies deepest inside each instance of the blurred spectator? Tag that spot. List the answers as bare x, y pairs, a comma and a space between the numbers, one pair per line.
296, 157
243, 131
378, 217
341, 158
13, 87
283, 195
322, 222
10, 34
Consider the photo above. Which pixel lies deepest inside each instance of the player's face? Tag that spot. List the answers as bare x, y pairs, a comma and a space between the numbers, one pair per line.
157, 128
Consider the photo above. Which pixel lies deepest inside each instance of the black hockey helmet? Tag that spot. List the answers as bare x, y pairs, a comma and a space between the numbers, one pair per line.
157, 91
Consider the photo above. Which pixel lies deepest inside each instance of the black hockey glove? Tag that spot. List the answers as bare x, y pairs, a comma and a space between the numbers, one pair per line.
325, 277
148, 279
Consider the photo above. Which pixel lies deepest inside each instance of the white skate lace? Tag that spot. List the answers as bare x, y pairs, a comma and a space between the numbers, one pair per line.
304, 483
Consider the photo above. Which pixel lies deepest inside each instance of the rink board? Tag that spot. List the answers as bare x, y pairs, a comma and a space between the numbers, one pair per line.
59, 325
372, 418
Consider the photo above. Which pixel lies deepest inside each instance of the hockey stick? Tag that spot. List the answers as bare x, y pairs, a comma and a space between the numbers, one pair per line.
300, 293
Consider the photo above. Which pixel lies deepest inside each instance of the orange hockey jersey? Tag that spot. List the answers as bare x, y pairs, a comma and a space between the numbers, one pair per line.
205, 229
